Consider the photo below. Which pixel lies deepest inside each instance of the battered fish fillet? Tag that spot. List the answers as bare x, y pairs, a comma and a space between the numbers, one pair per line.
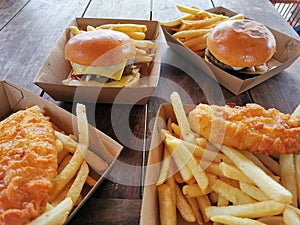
249, 127
28, 165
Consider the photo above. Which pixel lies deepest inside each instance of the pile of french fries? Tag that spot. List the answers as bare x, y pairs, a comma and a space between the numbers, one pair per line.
73, 172
206, 182
145, 49
192, 29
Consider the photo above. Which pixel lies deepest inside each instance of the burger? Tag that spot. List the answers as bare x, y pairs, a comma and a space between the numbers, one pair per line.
240, 46
101, 58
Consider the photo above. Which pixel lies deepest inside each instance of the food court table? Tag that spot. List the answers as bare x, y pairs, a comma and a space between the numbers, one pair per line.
30, 28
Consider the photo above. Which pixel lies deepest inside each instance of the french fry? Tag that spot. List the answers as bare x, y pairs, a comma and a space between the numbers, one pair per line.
90, 181
291, 215
272, 220
64, 162
68, 172
253, 191
59, 146
270, 187
82, 125
142, 59
140, 51
195, 41
203, 202
213, 197
170, 181
69, 144
181, 164
222, 201
272, 164
176, 130
232, 194
63, 193
74, 30
185, 9
187, 158
166, 161
183, 123
187, 34
124, 27
297, 168
200, 152
237, 17
233, 183
136, 35
178, 178
183, 206
250, 210
199, 47
201, 142
144, 44
288, 175
233, 220
202, 23
169, 125
96, 162
79, 200
61, 156
257, 162
193, 190
232, 172
76, 187
213, 168
57, 215
195, 207
167, 208
175, 22
90, 28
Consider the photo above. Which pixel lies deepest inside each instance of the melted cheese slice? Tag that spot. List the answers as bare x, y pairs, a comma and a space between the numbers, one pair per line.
125, 81
114, 72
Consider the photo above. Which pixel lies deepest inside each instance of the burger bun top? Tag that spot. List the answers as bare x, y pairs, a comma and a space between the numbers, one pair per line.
241, 43
99, 48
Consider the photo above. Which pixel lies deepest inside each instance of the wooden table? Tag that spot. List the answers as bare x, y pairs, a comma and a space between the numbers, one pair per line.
30, 28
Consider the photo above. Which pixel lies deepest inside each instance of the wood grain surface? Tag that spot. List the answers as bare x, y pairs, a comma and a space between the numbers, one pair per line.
30, 28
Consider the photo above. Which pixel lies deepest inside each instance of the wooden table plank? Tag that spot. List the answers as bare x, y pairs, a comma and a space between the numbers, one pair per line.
166, 10
30, 35
129, 9
109, 212
9, 9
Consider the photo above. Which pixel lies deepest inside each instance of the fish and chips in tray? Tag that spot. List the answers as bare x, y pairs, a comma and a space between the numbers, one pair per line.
229, 164
48, 167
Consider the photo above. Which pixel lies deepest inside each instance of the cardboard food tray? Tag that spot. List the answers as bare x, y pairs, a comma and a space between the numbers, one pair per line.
150, 207
55, 69
287, 51
14, 98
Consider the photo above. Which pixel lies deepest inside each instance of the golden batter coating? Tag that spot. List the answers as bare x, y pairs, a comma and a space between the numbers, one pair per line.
28, 165
249, 127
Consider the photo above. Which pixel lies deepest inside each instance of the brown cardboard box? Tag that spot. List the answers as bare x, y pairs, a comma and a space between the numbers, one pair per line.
287, 51
150, 208
14, 98
56, 68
